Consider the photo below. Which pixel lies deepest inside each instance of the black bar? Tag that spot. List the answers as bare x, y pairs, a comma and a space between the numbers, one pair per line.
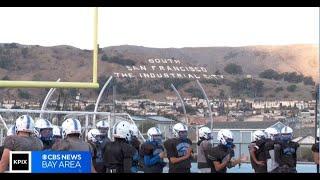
316, 118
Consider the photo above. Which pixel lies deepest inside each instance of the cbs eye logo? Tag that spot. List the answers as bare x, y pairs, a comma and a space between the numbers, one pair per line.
20, 161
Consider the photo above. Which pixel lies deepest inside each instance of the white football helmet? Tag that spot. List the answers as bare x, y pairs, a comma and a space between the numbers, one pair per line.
179, 127
94, 135
43, 124
286, 133
122, 130
103, 126
134, 129
224, 136
71, 126
11, 131
44, 127
154, 134
205, 132
271, 133
257, 135
286, 130
57, 131
25, 123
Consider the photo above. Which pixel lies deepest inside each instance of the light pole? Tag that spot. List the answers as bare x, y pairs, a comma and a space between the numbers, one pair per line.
98, 100
182, 103
208, 102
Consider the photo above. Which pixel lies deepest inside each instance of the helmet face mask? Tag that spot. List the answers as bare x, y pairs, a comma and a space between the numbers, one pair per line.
183, 134
98, 138
103, 130
133, 136
36, 133
157, 138
46, 134
229, 142
286, 137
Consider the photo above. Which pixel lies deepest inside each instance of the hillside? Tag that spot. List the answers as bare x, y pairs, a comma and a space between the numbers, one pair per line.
21, 62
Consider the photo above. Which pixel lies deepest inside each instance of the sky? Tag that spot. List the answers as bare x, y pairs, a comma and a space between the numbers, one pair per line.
160, 27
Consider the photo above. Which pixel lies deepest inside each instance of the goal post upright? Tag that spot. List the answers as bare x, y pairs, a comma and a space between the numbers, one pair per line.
53, 84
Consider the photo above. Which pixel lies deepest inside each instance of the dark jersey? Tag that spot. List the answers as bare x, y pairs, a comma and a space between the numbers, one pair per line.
260, 153
286, 153
177, 148
219, 154
315, 148
23, 143
152, 163
103, 145
135, 143
269, 145
204, 147
118, 156
94, 156
47, 145
72, 144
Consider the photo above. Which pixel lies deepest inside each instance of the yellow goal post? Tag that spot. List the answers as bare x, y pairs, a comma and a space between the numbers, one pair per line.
54, 84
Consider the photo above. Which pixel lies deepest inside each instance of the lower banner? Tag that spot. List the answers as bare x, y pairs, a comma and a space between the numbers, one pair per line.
51, 162
61, 162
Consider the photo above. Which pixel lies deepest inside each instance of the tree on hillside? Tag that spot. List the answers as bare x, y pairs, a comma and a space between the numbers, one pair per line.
195, 92
292, 88
233, 68
249, 87
308, 81
269, 74
222, 94
23, 94
278, 89
6, 77
293, 77
104, 57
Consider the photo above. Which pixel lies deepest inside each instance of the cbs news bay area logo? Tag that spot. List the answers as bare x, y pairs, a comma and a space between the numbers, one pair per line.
50, 162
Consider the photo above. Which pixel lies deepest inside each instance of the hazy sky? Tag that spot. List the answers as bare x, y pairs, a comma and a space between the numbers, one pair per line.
161, 27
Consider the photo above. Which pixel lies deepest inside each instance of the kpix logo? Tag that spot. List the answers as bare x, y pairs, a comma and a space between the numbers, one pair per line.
20, 161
